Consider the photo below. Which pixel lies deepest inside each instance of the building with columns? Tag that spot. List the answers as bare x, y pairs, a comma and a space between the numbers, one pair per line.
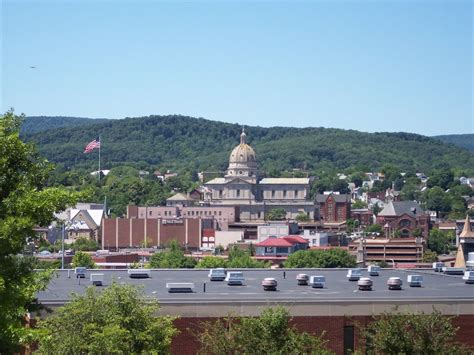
242, 187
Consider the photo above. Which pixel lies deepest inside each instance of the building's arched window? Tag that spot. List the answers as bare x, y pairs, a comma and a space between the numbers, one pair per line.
404, 223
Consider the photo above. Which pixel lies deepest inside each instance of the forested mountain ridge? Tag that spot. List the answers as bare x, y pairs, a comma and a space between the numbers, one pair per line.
33, 124
461, 140
181, 142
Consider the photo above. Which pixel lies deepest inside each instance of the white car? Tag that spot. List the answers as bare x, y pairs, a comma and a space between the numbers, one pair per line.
354, 274
235, 278
218, 274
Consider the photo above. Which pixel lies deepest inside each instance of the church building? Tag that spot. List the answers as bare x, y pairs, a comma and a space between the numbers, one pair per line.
242, 187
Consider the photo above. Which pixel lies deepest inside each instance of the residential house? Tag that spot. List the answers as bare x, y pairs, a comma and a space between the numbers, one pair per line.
277, 247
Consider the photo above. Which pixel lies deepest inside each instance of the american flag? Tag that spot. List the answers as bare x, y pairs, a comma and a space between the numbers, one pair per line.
92, 145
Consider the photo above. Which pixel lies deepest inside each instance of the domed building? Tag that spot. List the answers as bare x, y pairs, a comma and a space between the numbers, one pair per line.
242, 187
243, 161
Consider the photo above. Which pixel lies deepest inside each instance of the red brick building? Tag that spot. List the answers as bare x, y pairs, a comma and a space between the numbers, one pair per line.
363, 215
333, 207
136, 232
401, 218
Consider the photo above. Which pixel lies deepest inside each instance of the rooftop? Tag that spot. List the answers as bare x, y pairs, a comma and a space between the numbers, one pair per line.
436, 287
399, 208
290, 181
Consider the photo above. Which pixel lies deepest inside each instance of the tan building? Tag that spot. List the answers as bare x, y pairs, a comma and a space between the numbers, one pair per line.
241, 186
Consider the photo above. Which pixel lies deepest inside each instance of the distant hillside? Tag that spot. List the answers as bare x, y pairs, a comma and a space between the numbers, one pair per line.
465, 141
33, 124
179, 142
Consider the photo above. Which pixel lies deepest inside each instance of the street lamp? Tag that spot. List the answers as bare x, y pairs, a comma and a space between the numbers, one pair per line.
62, 246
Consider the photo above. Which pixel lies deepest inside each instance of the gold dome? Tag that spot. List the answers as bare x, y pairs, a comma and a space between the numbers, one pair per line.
243, 153
242, 160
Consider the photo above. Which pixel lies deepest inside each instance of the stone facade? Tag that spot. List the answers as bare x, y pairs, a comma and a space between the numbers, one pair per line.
241, 186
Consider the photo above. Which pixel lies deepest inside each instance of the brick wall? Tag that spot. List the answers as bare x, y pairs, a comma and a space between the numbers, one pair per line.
159, 232
333, 327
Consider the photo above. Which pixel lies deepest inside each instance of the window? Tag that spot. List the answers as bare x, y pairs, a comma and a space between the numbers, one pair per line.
405, 233
273, 193
296, 193
220, 213
238, 193
150, 213
220, 193
348, 339
405, 223
284, 193
340, 217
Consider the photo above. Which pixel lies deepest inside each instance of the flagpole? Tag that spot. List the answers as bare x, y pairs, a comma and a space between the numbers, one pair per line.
100, 144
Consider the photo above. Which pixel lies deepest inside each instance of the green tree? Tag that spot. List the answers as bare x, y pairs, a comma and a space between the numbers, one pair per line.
439, 241
173, 258
115, 320
83, 259
376, 209
441, 178
85, 244
211, 262
412, 333
331, 258
358, 205
429, 256
351, 224
25, 203
276, 214
302, 217
271, 333
239, 258
374, 228
437, 200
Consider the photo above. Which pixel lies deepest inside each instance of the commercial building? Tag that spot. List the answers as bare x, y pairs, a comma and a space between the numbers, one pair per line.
337, 309
152, 232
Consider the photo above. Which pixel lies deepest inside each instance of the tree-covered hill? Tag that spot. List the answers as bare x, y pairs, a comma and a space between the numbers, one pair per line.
33, 124
465, 141
180, 142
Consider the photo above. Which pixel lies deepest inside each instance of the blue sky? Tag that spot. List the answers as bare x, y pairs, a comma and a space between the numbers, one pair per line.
366, 65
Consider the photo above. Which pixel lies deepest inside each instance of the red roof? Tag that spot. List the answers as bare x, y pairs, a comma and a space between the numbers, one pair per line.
295, 239
274, 242
287, 241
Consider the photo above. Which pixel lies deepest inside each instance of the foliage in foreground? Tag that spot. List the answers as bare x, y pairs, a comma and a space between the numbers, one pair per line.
425, 334
25, 203
270, 333
116, 320
331, 258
